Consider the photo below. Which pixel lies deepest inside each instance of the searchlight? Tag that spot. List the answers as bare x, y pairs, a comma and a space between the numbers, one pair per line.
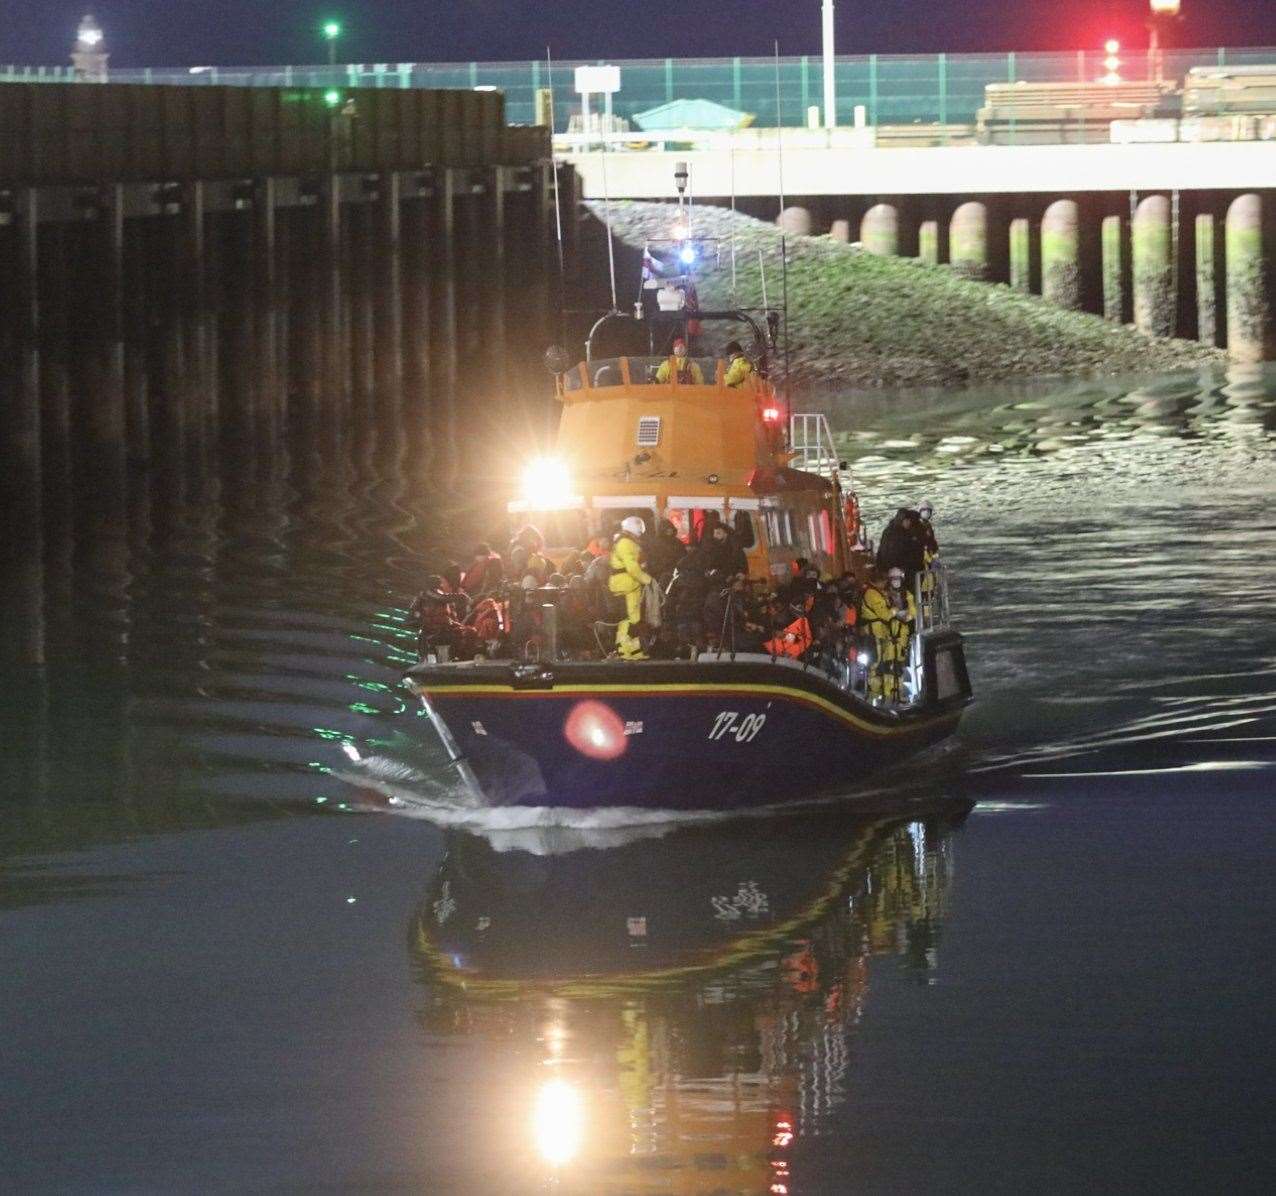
547, 483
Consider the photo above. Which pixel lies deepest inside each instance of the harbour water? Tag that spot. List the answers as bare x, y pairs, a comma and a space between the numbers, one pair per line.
1037, 958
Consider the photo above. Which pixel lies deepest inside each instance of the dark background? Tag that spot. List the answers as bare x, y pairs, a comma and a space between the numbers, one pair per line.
243, 32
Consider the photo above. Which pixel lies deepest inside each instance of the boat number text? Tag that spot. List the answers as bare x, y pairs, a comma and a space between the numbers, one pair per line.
742, 730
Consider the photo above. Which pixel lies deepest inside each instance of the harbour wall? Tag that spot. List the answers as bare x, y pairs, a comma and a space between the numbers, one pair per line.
193, 273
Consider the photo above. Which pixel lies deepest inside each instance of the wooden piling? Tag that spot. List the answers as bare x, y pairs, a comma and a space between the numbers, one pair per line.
268, 342
444, 350
388, 283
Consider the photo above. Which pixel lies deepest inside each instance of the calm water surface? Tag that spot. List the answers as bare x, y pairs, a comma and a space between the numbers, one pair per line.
1050, 967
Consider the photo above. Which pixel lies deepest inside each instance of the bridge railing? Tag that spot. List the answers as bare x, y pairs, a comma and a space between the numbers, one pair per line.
895, 90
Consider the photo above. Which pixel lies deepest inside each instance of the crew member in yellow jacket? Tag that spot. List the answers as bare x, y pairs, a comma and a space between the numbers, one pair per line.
628, 578
739, 367
889, 614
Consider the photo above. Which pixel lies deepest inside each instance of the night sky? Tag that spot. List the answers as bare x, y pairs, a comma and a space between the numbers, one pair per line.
230, 32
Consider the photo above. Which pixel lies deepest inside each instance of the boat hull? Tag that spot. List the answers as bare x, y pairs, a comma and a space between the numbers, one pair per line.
670, 735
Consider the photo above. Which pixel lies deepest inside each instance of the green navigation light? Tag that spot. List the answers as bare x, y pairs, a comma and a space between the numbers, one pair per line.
332, 98
332, 30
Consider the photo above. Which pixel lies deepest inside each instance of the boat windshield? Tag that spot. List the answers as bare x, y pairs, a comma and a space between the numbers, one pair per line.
608, 371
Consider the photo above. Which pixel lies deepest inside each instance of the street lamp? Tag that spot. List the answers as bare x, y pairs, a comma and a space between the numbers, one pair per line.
1162, 13
332, 31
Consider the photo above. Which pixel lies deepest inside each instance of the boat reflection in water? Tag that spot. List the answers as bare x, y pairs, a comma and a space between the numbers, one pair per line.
673, 1013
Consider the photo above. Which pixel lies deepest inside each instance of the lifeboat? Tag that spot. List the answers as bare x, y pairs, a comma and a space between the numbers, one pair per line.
716, 729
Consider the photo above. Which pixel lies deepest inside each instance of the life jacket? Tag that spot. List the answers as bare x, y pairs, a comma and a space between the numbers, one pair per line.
851, 513
794, 640
489, 619
625, 552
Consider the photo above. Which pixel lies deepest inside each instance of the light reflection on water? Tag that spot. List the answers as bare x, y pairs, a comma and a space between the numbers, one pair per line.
1113, 546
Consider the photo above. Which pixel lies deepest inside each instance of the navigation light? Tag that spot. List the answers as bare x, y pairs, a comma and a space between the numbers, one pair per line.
688, 254
771, 414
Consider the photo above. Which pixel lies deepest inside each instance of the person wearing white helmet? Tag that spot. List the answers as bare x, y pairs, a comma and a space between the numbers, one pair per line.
930, 550
627, 580
926, 530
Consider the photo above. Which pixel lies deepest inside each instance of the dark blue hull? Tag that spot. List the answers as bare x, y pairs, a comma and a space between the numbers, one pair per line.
670, 735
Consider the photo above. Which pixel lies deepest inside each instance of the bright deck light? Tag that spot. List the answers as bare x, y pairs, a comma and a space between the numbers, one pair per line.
558, 1122
546, 482
688, 255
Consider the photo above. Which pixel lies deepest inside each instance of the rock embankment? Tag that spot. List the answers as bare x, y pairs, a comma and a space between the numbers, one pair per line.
856, 320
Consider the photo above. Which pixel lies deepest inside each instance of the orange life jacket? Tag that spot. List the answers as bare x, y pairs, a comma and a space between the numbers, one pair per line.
794, 640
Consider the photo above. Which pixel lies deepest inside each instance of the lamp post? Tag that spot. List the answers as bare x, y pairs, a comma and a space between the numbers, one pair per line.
830, 82
1162, 13
332, 31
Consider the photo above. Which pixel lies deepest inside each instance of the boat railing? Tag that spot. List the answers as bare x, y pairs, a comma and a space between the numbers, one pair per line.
811, 440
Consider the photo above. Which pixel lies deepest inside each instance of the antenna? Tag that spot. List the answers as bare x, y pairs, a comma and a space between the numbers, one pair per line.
558, 205
611, 247
733, 220
779, 126
784, 243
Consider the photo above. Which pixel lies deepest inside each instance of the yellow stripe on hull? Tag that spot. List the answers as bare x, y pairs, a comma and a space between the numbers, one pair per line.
701, 687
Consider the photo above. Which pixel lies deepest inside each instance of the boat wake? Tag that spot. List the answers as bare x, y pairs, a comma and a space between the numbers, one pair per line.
383, 784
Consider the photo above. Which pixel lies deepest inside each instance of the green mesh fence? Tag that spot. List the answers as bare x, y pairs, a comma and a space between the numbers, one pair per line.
944, 89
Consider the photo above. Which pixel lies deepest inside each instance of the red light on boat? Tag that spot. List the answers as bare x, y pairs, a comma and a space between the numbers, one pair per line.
770, 414
594, 729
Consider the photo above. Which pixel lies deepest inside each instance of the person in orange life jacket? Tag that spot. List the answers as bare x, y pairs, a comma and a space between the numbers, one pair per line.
796, 639
485, 572
888, 613
848, 600
680, 367
434, 609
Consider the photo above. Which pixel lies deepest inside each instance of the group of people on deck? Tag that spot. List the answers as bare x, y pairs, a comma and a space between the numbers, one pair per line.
670, 596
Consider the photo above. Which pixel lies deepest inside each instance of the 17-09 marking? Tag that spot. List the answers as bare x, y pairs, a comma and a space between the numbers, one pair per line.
742, 730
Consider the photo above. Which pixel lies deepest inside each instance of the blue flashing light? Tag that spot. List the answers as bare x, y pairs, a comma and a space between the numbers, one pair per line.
688, 255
